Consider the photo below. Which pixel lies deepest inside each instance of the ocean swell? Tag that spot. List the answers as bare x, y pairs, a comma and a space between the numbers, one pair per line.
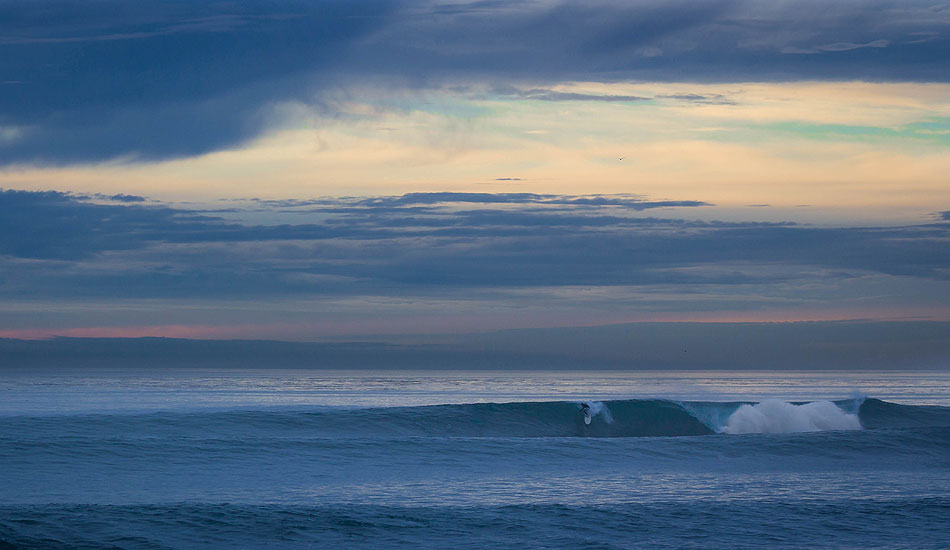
618, 418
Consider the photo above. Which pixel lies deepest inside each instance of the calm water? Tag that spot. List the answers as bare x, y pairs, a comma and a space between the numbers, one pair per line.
311, 459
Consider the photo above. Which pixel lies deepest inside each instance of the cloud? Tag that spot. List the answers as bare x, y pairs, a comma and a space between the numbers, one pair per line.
710, 99
154, 80
160, 79
57, 244
439, 262
837, 47
715, 41
634, 203
122, 197
541, 94
57, 225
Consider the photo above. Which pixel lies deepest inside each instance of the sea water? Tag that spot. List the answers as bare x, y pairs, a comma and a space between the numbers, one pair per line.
316, 459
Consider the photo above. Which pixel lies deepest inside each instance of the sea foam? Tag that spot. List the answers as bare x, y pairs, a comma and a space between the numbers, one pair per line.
774, 416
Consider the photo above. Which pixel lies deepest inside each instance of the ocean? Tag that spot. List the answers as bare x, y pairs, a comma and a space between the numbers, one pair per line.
207, 459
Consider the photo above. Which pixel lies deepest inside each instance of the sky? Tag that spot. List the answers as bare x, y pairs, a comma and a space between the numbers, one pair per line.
342, 170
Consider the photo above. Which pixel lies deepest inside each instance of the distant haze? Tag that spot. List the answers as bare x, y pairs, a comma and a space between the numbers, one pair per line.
757, 346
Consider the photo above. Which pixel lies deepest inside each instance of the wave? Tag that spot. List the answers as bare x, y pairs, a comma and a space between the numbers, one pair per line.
619, 418
774, 416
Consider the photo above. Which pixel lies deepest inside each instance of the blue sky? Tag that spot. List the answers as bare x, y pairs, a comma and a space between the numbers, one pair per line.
314, 170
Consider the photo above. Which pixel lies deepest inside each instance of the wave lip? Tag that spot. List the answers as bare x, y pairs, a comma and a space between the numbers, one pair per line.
775, 416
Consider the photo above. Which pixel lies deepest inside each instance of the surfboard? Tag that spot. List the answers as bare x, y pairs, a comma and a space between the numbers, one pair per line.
587, 418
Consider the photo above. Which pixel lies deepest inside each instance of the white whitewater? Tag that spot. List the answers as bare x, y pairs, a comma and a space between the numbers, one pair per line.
775, 416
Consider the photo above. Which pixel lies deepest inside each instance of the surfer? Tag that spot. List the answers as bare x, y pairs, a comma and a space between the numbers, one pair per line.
585, 408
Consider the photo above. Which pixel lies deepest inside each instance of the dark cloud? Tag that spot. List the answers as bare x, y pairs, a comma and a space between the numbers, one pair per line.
53, 224
146, 80
122, 197
56, 244
58, 225
105, 79
678, 41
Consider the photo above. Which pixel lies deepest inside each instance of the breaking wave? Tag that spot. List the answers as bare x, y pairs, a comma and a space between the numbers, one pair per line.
774, 416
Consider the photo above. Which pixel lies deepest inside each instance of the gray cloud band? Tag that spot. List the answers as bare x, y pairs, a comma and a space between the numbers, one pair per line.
57, 244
